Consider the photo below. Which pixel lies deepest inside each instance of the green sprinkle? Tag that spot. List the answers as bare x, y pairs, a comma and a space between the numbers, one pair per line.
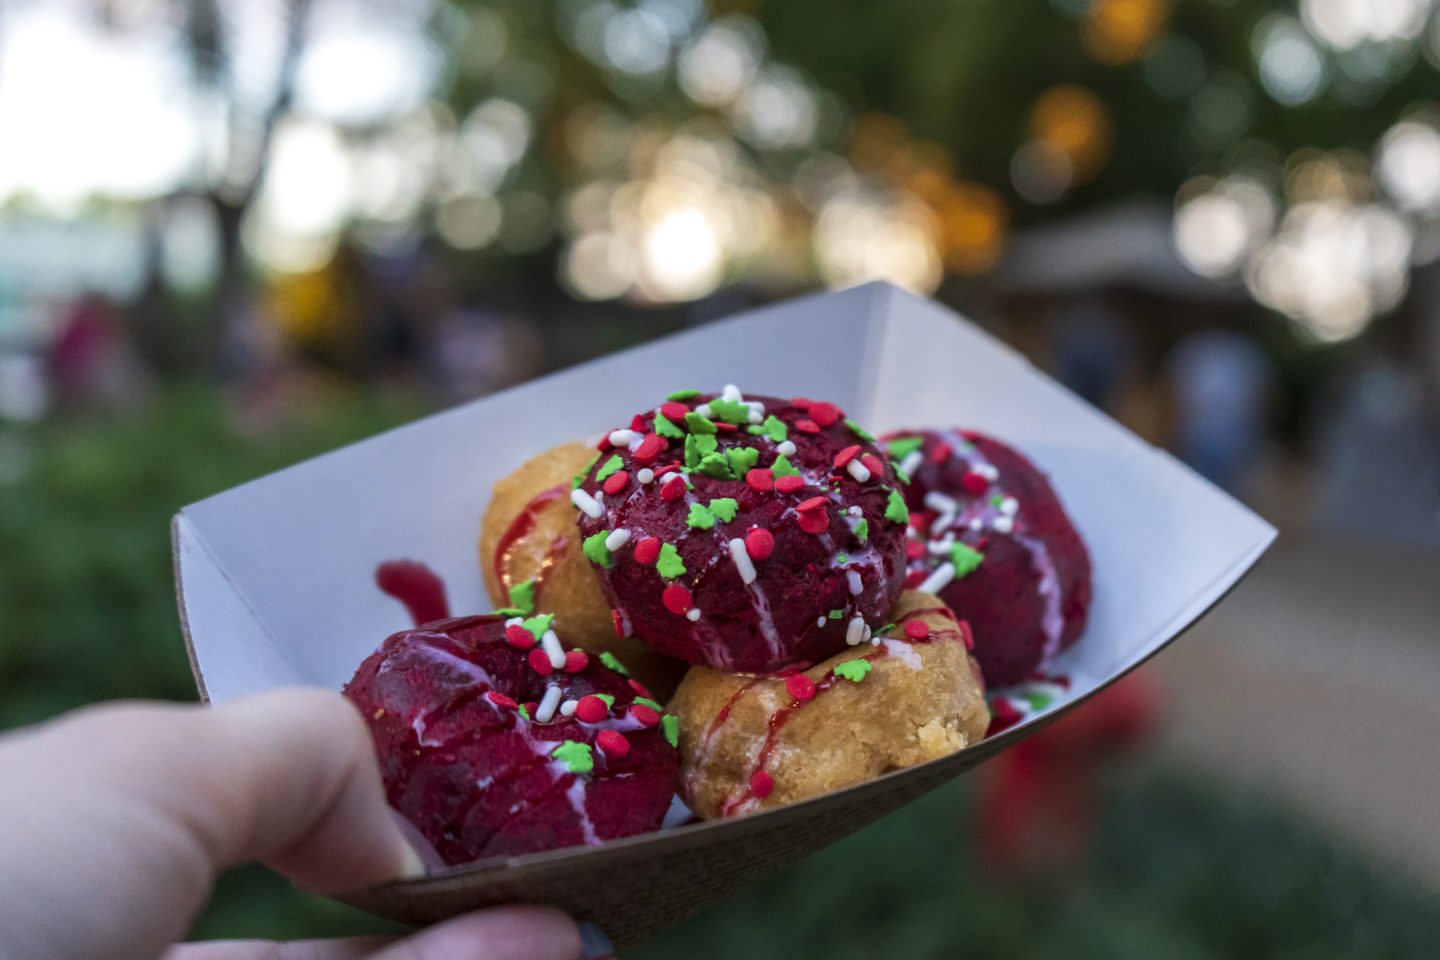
579, 478
698, 424
700, 518
755, 428
853, 669
965, 558
862, 529
523, 712
609, 660
775, 427
742, 459
538, 625
647, 702
724, 508
606, 698
858, 430
996, 500
903, 447
888, 626
611, 465
1039, 701
671, 725
895, 510
842, 558
697, 445
509, 612
836, 614
729, 411
522, 596
781, 467
716, 465
575, 755
595, 550
683, 395
669, 564
665, 428
900, 475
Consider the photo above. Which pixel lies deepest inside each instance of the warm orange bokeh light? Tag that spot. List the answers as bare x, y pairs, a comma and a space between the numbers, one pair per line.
973, 220
1120, 31
1073, 120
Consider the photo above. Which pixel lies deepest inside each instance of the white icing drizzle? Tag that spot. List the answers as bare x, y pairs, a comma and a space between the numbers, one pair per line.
902, 650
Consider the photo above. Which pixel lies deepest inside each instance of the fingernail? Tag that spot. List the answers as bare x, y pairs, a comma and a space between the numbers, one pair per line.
420, 857
593, 942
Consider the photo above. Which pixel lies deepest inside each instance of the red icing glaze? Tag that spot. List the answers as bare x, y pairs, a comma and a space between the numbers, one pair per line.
779, 619
523, 523
475, 776
415, 585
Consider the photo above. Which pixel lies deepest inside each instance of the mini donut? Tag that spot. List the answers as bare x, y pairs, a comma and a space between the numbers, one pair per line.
988, 534
746, 535
910, 695
528, 536
489, 749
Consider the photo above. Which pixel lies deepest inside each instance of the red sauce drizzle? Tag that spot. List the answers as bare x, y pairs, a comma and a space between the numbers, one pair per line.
415, 585
523, 523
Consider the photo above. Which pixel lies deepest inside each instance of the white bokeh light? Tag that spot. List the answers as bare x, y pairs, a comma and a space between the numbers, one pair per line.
1292, 68
1345, 24
722, 61
1408, 166
681, 255
1217, 229
863, 236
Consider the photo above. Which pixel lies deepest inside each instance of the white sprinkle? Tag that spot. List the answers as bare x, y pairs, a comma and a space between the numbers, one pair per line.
742, 560
942, 523
1004, 524
585, 502
514, 621
867, 634
757, 410
755, 416
855, 512
732, 393
621, 438
787, 448
940, 503
693, 615
617, 539
856, 584
854, 630
1009, 505
911, 463
644, 475
936, 581
819, 621
567, 709
975, 524
858, 470
988, 471
703, 409
546, 711
553, 650
940, 546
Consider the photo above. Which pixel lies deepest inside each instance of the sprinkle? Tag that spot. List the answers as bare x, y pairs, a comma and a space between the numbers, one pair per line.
872, 463
665, 428
819, 621
1009, 506
760, 479
825, 413
742, 459
814, 521
576, 660
613, 742
759, 544
732, 392
729, 411
698, 423
649, 449
801, 402
787, 449
575, 755
904, 446
741, 556
936, 581
761, 784
757, 413
617, 539
522, 596
647, 550
683, 395
519, 638
611, 661
807, 426
814, 503
940, 453
500, 700
548, 703
974, 483
673, 489
853, 670
619, 624
526, 709
677, 599
940, 503
917, 629
800, 686
965, 558
591, 709
673, 410
857, 586
587, 503
699, 517
642, 690
854, 630
669, 565
1004, 524
644, 475
988, 471
567, 709
836, 614
537, 625
703, 410
693, 615
846, 455
670, 724
648, 717
539, 662
724, 508
621, 438
914, 549
551, 643
895, 510
595, 550
858, 430
862, 530
775, 429
789, 483
716, 465
858, 470
782, 467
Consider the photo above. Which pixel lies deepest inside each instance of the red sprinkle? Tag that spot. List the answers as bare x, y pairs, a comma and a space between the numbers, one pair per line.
500, 700
974, 483
518, 637
846, 455
637, 423
641, 689
825, 413
759, 544
941, 453
814, 521
801, 402
761, 784
649, 449
800, 686
673, 410
647, 551
966, 635
646, 715
591, 709
532, 707
674, 488
540, 662
814, 503
724, 427
761, 479
616, 482
577, 660
619, 626
789, 483
677, 599
612, 742
914, 549
807, 426
917, 629
873, 464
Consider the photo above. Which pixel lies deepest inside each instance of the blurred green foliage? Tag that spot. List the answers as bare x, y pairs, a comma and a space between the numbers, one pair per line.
1181, 868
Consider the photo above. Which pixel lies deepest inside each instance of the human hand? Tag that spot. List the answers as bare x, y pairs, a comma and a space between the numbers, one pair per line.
115, 820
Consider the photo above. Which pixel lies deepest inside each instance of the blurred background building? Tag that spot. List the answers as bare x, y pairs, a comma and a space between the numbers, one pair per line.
237, 232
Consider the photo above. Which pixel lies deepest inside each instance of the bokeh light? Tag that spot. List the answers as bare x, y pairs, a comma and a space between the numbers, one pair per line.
1292, 68
1120, 31
1073, 120
1221, 222
1408, 165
